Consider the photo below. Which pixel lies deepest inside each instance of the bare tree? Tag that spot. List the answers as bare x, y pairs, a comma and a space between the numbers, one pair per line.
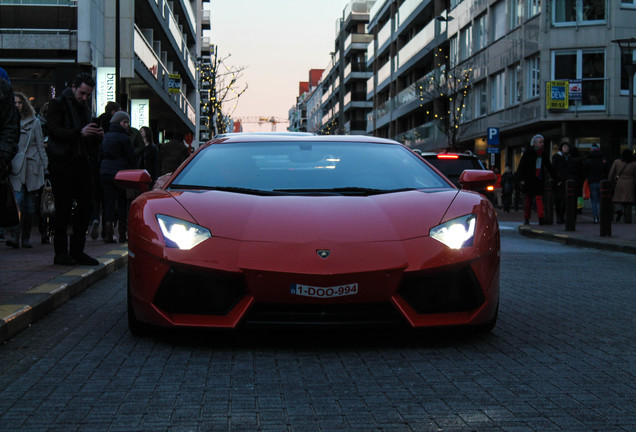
447, 87
223, 81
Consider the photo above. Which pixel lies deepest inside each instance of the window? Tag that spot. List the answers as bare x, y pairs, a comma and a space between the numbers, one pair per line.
465, 42
534, 8
515, 13
570, 12
533, 77
454, 51
481, 37
480, 99
498, 21
625, 60
514, 84
628, 2
497, 92
585, 65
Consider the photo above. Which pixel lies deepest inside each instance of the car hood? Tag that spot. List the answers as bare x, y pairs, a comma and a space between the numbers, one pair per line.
297, 219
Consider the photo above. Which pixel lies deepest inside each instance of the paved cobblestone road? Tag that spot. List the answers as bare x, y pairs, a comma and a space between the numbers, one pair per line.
562, 358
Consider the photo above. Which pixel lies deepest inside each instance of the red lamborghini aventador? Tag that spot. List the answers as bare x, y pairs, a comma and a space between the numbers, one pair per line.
353, 230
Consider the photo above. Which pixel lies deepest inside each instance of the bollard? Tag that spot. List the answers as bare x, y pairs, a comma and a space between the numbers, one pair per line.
570, 205
548, 203
606, 210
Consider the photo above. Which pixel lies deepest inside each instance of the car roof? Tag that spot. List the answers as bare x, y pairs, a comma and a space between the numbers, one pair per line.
295, 136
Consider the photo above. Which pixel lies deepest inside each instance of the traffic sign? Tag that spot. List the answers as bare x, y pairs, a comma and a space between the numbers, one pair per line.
492, 136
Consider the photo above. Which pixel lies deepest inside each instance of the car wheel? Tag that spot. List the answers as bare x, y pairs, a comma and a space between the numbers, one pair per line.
136, 327
490, 324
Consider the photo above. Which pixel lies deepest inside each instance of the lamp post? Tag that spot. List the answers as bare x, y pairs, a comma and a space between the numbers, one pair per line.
627, 51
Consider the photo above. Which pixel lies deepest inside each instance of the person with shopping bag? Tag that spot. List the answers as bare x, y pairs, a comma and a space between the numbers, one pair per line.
27, 171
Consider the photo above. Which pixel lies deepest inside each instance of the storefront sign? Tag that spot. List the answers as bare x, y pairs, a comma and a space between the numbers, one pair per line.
576, 90
174, 84
106, 90
557, 95
139, 113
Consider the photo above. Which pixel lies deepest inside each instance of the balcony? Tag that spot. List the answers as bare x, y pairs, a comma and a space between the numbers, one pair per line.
384, 73
419, 43
147, 55
206, 22
205, 46
385, 34
357, 41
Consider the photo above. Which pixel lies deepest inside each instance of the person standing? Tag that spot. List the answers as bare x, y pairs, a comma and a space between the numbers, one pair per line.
149, 159
117, 154
560, 165
596, 169
9, 130
27, 171
535, 170
71, 134
172, 154
623, 171
507, 188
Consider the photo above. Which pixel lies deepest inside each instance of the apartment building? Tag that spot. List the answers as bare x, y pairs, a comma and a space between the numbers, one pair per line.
535, 67
339, 105
150, 47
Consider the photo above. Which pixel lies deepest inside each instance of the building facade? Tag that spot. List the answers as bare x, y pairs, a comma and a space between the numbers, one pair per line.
520, 57
149, 47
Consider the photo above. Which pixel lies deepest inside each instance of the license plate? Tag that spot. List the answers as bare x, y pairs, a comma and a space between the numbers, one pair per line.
324, 292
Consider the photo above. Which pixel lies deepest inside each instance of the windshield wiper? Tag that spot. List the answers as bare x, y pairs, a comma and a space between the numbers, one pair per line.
225, 189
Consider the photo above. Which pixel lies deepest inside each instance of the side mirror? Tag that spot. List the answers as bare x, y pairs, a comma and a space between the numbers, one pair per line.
136, 179
476, 180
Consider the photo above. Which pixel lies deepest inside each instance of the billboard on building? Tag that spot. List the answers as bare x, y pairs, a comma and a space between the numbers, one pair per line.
106, 90
139, 113
556, 95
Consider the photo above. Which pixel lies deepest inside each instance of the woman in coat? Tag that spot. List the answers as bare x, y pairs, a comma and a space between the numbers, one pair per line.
116, 154
27, 171
623, 171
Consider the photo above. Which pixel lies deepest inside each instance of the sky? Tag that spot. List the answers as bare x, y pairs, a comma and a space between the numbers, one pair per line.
277, 42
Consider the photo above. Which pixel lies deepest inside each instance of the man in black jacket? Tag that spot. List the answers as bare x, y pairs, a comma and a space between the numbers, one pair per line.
8, 125
71, 136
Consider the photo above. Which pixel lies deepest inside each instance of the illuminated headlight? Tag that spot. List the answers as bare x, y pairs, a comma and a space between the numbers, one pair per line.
456, 233
181, 234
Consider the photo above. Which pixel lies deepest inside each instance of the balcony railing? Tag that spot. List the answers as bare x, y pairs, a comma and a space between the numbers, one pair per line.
384, 72
385, 33
147, 55
406, 10
417, 44
419, 135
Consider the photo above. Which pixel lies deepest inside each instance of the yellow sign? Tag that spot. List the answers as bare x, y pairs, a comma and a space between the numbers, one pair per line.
557, 94
174, 83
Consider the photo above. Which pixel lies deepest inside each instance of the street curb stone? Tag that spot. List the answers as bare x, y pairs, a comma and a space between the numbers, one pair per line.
588, 242
25, 309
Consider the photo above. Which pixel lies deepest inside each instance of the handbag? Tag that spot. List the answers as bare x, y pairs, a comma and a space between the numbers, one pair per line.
47, 202
9, 212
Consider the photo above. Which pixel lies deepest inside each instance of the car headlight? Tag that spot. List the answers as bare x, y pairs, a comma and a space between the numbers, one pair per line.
456, 233
181, 234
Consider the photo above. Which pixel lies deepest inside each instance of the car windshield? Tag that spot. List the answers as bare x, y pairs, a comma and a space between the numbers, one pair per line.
307, 167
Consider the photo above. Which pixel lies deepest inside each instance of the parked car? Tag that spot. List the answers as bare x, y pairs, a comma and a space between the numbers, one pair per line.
453, 164
339, 230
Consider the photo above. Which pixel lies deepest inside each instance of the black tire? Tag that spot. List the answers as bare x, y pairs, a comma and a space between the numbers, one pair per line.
136, 327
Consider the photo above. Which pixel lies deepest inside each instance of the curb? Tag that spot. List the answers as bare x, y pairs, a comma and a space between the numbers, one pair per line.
25, 309
579, 241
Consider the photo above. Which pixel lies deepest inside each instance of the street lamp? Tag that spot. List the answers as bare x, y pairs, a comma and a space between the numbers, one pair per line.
627, 52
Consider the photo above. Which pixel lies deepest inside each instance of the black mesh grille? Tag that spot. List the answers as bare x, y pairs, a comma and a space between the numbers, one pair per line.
198, 293
353, 314
452, 291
